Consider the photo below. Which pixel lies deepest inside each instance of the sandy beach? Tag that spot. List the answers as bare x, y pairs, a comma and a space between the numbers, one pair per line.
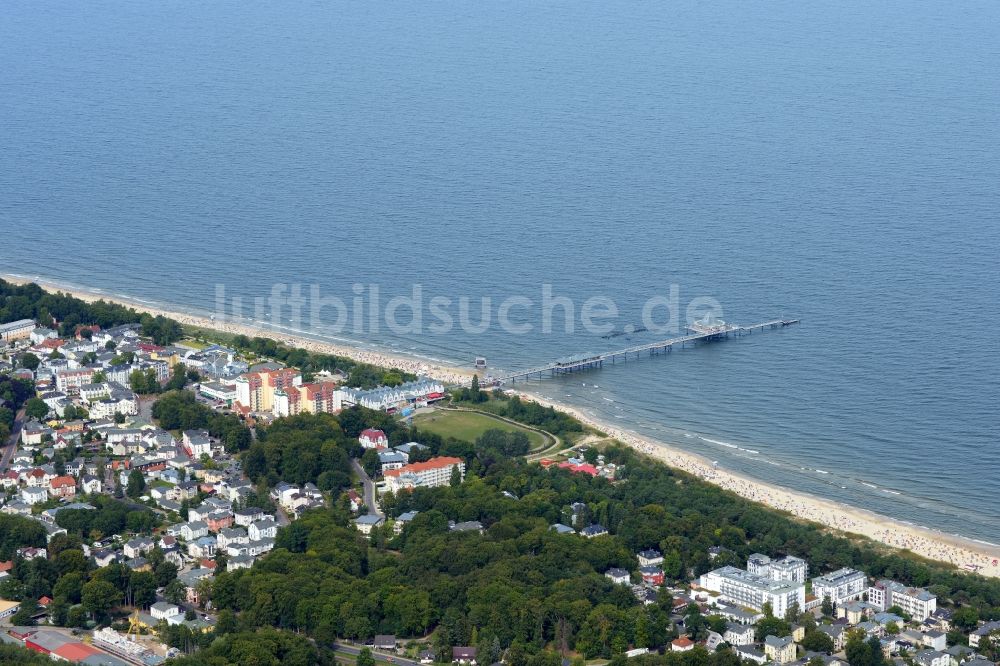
927, 543
443, 373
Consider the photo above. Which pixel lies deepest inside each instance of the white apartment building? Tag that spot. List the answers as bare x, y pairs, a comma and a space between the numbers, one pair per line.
70, 381
786, 569
840, 586
915, 601
434, 472
753, 590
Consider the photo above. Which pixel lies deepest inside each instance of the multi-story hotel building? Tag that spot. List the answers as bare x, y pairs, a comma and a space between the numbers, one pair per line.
788, 568
255, 390
753, 590
916, 601
318, 398
17, 330
840, 586
434, 472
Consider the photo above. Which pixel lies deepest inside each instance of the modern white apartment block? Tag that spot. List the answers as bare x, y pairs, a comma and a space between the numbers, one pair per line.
916, 601
744, 588
840, 586
786, 569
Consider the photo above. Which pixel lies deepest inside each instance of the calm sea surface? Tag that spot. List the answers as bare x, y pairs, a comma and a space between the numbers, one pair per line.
833, 161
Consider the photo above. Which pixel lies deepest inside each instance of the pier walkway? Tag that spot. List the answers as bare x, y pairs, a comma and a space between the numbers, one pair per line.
696, 332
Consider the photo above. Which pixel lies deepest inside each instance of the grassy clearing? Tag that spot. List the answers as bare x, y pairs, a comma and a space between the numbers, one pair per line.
469, 426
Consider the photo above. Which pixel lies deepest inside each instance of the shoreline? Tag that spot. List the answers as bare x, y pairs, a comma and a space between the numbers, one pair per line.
445, 373
922, 541
925, 542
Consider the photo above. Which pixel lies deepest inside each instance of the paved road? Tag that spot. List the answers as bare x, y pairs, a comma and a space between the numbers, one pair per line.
11, 446
354, 650
369, 489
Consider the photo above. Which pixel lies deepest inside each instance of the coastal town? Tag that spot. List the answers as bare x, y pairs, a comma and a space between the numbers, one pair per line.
138, 518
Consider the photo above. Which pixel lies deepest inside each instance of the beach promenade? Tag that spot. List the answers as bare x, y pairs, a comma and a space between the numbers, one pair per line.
924, 542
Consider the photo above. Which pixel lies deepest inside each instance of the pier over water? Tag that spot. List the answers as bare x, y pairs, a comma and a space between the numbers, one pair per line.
706, 331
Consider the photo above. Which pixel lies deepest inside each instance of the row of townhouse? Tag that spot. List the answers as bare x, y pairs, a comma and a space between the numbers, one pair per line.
391, 399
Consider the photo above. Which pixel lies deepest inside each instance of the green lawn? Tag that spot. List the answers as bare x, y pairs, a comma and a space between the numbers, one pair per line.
195, 344
470, 425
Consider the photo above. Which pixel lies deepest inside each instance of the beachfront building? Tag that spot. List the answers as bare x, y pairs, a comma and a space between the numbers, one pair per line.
255, 390
316, 398
787, 569
17, 330
393, 398
916, 601
752, 590
434, 472
840, 586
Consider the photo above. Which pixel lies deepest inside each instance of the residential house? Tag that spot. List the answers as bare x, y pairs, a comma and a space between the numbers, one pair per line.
463, 655
193, 530
367, 522
618, 576
650, 558
403, 520
138, 546
391, 460
163, 610
263, 529
202, 547
977, 636
681, 644
244, 517
747, 652
90, 484
595, 530
231, 535
739, 634
855, 611
218, 520
935, 640
651, 575
932, 658
372, 438
63, 486
34, 495
191, 579
197, 443
781, 650
385, 642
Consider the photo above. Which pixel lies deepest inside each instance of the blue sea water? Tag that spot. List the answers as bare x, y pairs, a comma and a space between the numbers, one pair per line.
832, 161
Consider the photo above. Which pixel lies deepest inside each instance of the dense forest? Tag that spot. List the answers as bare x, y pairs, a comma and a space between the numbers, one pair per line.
519, 589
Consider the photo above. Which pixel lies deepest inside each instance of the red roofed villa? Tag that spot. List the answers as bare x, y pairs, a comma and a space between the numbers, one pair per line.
63, 486
371, 438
